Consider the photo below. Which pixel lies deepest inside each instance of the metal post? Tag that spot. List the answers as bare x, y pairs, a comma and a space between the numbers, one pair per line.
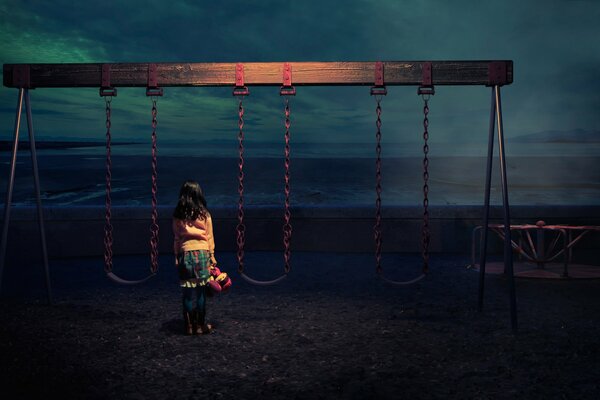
566, 251
508, 261
36, 181
570, 246
11, 180
541, 248
486, 207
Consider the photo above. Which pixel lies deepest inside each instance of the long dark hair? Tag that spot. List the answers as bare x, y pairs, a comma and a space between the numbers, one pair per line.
191, 204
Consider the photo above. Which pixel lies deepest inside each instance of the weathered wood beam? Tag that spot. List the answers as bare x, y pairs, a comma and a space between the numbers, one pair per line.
258, 73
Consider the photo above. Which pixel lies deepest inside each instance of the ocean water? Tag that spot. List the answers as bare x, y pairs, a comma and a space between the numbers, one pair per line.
330, 174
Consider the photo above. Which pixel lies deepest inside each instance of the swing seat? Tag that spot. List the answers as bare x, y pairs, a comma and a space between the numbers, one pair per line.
115, 278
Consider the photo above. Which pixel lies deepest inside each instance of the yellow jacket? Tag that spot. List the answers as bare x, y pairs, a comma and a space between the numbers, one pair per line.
193, 235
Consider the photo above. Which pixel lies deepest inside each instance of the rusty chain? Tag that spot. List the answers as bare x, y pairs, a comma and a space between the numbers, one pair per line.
241, 228
377, 227
287, 226
154, 226
425, 234
108, 229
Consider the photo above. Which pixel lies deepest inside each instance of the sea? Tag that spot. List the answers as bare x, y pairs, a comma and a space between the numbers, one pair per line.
321, 174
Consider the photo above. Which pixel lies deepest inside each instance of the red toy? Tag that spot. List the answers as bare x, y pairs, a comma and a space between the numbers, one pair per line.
219, 281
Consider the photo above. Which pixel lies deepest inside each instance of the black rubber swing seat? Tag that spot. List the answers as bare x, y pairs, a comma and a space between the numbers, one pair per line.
402, 283
260, 282
115, 278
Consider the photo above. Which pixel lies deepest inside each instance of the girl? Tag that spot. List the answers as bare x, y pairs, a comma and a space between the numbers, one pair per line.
194, 248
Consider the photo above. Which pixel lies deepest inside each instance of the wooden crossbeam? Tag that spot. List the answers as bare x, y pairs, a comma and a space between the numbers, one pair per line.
257, 73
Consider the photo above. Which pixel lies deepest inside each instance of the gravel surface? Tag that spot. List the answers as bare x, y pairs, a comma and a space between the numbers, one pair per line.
330, 330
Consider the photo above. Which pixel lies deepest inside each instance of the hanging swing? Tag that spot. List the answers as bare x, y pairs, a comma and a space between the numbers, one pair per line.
108, 92
425, 91
240, 91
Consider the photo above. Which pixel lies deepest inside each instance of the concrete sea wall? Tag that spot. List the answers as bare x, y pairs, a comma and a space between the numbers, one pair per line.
78, 231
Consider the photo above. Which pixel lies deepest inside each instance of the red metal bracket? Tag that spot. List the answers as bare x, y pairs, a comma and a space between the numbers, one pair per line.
426, 87
105, 87
287, 89
152, 89
379, 88
21, 76
497, 73
240, 89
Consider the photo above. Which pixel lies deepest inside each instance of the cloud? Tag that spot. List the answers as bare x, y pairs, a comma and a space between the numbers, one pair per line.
556, 70
555, 136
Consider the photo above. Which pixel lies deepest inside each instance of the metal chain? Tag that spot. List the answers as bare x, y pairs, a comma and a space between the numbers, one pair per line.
241, 228
108, 229
425, 228
154, 225
287, 226
377, 227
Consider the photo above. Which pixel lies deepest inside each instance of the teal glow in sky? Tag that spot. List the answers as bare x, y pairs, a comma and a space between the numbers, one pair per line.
553, 45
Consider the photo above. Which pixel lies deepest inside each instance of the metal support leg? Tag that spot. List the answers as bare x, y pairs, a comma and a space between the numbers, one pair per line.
36, 181
24, 93
508, 261
486, 207
11, 181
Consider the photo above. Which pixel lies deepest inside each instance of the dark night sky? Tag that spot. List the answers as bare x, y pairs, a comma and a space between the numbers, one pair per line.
554, 46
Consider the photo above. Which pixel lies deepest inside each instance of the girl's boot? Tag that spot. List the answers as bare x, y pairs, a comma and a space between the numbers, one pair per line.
187, 323
200, 325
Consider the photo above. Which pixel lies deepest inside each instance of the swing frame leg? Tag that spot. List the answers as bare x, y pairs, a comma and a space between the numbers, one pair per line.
24, 94
486, 207
496, 119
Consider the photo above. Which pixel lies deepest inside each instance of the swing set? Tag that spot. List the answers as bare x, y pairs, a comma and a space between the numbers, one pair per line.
108, 77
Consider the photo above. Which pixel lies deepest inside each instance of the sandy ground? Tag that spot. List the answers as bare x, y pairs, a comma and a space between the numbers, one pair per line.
330, 330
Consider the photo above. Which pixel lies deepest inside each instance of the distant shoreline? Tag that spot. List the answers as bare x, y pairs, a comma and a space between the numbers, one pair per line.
7, 145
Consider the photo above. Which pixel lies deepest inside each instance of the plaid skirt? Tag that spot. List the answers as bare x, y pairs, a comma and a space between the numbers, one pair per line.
194, 268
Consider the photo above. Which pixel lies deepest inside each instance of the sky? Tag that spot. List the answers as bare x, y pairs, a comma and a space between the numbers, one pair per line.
553, 44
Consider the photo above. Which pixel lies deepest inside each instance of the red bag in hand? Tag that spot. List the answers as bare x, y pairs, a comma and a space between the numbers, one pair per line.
224, 281
219, 281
